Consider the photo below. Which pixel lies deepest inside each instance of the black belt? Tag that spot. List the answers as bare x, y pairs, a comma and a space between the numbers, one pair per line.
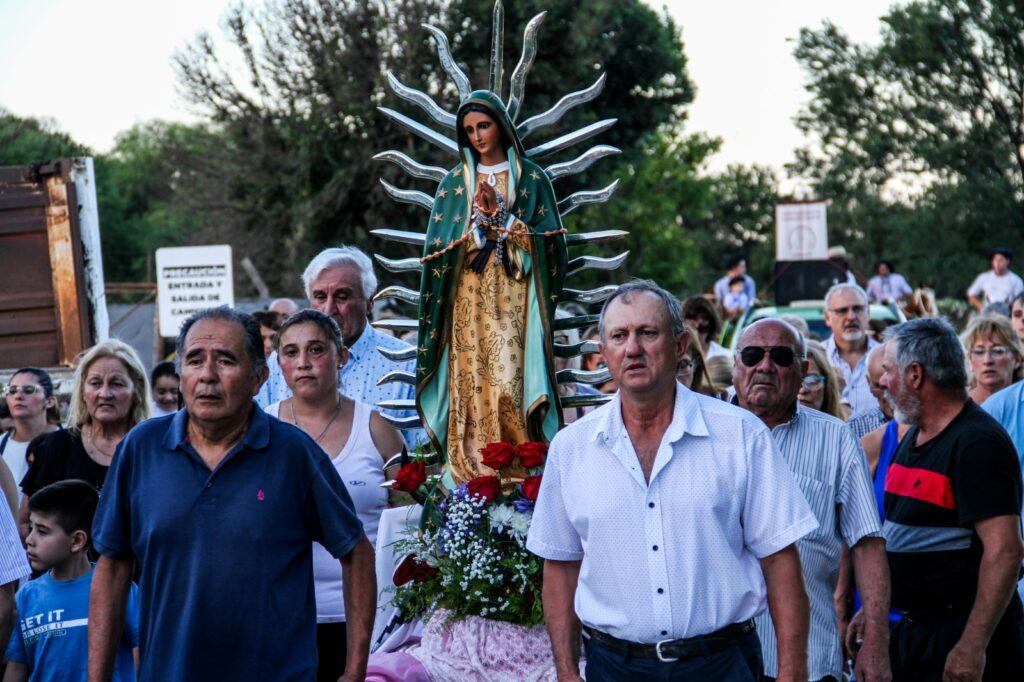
668, 650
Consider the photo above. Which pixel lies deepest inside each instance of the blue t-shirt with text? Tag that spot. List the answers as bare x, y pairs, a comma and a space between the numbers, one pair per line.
52, 637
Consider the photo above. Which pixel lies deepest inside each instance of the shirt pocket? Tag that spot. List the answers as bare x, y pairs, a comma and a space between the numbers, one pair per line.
821, 498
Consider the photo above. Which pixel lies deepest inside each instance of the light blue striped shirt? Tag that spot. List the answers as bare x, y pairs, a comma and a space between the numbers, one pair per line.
358, 378
832, 471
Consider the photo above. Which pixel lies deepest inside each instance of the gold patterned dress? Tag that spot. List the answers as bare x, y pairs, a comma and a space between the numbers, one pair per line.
485, 361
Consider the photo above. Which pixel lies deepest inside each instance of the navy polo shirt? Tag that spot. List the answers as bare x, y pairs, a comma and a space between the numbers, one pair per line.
226, 589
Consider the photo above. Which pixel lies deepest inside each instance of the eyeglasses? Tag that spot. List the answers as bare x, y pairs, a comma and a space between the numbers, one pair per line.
813, 380
27, 390
844, 311
996, 352
782, 356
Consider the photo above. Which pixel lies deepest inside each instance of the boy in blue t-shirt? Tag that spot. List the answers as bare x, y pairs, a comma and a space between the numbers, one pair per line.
52, 642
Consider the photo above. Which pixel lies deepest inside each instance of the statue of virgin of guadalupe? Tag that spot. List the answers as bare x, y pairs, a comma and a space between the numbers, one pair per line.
494, 262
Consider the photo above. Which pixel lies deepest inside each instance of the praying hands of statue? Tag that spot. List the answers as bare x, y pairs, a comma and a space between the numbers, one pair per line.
486, 200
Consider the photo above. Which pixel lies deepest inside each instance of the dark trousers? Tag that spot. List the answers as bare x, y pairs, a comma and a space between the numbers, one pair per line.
920, 643
331, 650
739, 662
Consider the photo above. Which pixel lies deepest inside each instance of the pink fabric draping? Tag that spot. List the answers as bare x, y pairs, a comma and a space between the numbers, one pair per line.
470, 649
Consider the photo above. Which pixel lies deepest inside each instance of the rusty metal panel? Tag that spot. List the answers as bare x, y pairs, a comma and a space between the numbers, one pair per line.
41, 302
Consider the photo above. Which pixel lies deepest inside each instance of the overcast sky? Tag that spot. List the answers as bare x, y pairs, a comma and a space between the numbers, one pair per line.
96, 68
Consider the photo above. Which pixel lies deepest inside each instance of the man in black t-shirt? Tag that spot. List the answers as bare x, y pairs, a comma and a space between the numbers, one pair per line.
952, 526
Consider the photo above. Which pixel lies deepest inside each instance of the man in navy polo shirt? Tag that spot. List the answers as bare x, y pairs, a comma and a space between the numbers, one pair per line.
221, 504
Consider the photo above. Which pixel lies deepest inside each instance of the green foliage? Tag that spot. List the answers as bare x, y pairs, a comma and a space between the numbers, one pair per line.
684, 223
920, 136
27, 141
140, 209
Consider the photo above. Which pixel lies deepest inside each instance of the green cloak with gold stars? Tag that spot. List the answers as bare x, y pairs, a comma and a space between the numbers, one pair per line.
532, 202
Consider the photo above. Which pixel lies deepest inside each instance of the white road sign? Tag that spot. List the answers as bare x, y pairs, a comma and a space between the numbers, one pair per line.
801, 231
190, 279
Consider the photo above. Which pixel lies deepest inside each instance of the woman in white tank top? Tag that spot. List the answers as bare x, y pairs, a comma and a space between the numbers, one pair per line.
358, 441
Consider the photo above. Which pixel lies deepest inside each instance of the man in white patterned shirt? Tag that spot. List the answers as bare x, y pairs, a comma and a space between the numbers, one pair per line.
846, 314
667, 521
832, 472
13, 565
340, 282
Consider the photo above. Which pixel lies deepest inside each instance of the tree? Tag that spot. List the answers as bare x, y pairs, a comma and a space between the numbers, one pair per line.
299, 119
921, 135
137, 192
684, 223
26, 141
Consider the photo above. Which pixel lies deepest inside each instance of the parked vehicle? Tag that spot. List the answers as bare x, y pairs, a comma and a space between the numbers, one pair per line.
813, 313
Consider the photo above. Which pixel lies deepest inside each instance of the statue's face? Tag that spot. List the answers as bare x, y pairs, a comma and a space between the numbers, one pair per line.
483, 134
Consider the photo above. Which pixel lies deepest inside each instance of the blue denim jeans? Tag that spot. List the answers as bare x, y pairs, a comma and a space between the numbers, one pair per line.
740, 661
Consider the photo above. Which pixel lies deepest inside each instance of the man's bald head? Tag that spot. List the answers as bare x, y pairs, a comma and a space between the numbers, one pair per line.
285, 307
798, 340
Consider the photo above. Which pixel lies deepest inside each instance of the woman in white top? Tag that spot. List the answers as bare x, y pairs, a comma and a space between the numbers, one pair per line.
358, 441
34, 409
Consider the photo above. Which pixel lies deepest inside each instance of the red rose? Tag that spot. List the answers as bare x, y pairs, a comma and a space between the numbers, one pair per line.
410, 570
532, 454
530, 487
498, 455
410, 477
486, 487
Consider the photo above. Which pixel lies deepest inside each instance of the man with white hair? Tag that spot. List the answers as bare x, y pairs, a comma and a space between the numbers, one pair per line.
846, 314
340, 282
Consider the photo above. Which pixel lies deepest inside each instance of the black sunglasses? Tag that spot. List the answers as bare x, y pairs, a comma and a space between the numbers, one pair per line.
782, 356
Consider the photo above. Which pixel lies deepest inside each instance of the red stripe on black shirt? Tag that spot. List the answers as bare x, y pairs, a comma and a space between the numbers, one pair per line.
920, 484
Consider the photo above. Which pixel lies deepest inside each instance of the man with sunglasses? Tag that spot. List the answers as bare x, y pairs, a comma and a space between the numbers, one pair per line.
830, 468
667, 521
846, 314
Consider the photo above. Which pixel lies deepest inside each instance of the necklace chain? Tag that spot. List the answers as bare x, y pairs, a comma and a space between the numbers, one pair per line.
95, 445
295, 418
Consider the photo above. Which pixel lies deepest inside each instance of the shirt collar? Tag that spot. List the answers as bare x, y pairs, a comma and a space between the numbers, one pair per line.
686, 418
833, 350
257, 432
365, 344
794, 418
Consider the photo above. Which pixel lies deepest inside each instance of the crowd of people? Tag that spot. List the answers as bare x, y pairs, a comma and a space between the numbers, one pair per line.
790, 508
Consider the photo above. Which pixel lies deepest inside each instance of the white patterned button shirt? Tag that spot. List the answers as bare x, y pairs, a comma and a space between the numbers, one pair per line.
677, 557
857, 391
830, 467
13, 563
358, 378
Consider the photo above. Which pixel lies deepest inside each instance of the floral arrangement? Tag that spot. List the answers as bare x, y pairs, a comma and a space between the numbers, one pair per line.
469, 555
